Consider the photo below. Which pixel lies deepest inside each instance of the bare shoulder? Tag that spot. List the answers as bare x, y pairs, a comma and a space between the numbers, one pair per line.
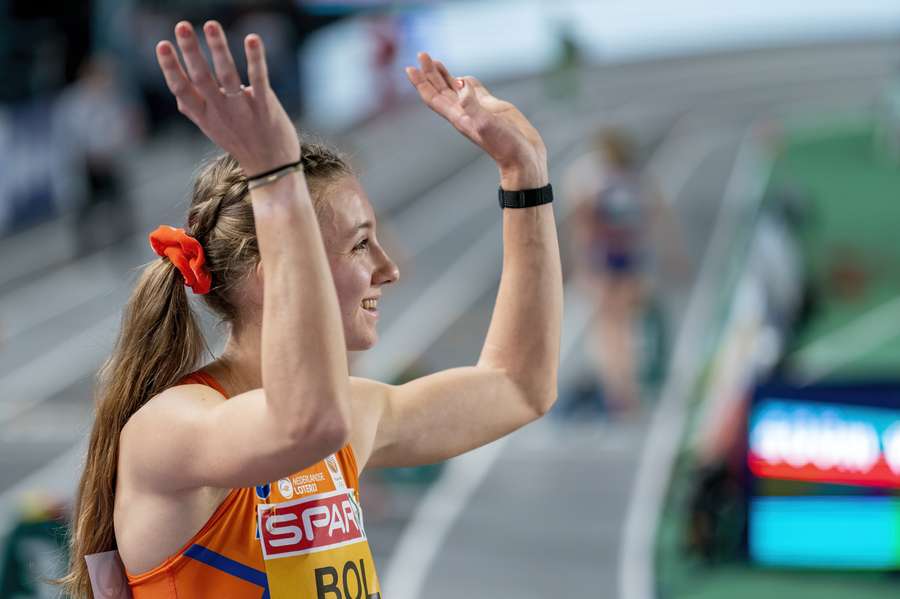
153, 515
176, 404
164, 427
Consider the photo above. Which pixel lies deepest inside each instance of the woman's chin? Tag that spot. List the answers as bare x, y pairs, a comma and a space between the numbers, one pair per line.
362, 343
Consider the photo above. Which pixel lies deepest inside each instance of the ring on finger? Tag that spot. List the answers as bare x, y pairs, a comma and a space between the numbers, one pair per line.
230, 94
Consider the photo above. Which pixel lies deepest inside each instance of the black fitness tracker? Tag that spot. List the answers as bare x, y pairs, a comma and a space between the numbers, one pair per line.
526, 198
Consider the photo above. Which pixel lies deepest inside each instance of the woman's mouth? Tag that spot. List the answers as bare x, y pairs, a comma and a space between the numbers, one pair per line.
370, 305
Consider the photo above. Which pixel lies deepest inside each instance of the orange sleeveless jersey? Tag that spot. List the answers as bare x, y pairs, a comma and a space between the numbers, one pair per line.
302, 536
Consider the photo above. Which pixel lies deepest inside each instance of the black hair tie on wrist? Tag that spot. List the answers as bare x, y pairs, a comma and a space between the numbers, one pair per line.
273, 175
275, 170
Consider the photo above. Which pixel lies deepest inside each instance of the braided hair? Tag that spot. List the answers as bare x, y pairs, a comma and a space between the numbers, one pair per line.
221, 217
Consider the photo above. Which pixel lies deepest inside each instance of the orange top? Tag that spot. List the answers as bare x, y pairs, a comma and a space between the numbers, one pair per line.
313, 541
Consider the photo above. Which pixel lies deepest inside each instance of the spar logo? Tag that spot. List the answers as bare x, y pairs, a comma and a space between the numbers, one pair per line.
313, 523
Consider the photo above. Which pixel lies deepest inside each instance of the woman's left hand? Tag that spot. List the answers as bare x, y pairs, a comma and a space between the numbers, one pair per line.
496, 126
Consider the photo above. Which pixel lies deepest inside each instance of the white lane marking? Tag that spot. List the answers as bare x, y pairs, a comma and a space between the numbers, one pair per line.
636, 565
55, 431
430, 524
30, 305
57, 422
53, 371
32, 249
862, 335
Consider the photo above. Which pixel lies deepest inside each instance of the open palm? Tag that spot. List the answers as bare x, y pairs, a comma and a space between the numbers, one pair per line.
494, 125
248, 122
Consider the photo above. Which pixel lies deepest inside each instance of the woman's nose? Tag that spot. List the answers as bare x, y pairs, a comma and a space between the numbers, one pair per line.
388, 272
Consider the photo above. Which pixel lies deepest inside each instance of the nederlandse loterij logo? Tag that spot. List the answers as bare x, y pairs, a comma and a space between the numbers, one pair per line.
313, 523
286, 488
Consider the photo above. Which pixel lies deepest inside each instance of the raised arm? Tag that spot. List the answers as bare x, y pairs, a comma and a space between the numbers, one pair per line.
301, 414
514, 380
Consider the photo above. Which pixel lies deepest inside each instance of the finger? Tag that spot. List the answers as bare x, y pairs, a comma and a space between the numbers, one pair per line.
439, 103
257, 70
223, 62
421, 83
197, 68
468, 93
189, 101
433, 75
451, 82
480, 90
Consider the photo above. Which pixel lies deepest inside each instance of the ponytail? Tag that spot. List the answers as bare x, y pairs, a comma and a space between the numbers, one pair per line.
160, 342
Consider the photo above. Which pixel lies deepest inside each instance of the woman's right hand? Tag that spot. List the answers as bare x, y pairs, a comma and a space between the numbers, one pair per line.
248, 122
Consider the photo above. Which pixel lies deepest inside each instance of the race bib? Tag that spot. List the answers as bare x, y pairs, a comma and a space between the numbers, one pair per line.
317, 542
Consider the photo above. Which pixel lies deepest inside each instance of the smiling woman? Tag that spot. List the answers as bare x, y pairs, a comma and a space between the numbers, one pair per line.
358, 263
239, 478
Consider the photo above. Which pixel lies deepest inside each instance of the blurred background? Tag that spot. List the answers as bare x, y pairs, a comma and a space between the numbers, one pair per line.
728, 199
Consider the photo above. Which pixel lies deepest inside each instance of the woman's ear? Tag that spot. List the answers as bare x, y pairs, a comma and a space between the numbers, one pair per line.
255, 287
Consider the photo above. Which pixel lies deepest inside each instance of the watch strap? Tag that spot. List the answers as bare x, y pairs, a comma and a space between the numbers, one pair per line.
525, 198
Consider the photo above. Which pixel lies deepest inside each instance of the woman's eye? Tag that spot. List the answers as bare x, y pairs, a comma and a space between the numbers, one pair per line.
362, 245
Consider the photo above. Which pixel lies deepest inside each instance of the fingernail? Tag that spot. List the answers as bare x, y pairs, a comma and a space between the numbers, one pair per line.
460, 83
183, 29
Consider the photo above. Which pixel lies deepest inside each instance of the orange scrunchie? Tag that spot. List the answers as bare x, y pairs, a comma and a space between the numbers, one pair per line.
185, 253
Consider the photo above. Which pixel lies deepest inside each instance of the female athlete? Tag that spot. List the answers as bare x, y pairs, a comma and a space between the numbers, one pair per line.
240, 479
620, 218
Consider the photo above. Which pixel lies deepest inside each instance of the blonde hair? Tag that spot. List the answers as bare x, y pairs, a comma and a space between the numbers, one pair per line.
160, 341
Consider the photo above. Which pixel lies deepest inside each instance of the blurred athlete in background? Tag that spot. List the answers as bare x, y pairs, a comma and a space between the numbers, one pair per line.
97, 124
619, 219
240, 479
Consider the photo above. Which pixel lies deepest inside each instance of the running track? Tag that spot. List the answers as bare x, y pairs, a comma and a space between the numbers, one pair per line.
539, 514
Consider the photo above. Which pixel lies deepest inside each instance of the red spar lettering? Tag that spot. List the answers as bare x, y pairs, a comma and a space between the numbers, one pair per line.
308, 524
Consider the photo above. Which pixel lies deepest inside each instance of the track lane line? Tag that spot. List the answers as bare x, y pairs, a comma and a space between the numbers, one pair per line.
434, 516
636, 569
